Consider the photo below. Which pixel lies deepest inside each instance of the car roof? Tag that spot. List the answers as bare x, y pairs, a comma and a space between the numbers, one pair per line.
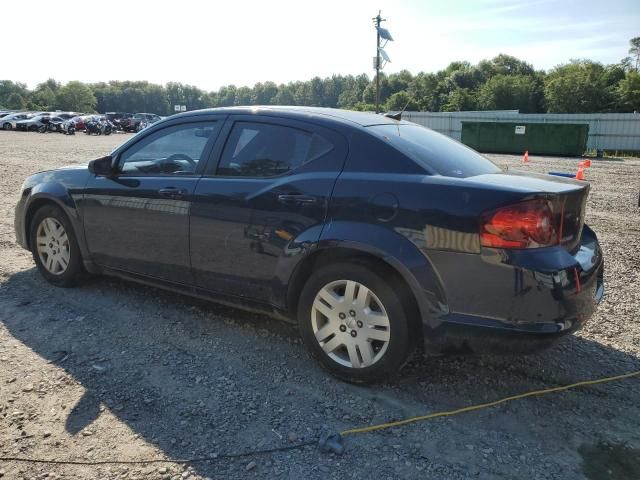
363, 119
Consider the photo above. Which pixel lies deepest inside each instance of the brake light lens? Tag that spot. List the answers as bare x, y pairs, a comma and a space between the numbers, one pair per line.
528, 224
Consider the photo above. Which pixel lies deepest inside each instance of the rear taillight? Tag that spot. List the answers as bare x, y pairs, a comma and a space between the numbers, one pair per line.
529, 224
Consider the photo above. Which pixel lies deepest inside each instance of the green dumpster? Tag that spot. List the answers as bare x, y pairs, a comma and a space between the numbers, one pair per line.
538, 138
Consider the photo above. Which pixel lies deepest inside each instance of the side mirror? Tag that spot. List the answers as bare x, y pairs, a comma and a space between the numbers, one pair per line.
102, 166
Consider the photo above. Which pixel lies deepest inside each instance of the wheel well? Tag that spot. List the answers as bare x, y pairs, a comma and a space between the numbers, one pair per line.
382, 268
33, 208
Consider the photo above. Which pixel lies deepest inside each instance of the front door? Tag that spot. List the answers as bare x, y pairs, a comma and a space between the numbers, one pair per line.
137, 220
266, 196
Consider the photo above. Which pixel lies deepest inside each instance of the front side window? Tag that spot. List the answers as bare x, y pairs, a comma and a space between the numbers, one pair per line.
173, 150
268, 150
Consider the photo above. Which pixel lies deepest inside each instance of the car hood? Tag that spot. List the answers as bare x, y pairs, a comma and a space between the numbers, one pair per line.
70, 177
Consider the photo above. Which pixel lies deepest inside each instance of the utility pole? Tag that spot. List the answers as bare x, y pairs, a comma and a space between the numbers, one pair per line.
381, 55
378, 20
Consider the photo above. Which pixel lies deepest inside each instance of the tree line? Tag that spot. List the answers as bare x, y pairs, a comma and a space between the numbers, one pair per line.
502, 83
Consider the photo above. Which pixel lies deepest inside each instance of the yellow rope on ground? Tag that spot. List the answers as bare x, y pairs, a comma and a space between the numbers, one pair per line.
382, 426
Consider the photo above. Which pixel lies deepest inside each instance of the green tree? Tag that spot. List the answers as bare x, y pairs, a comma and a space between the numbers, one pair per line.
244, 96
284, 95
461, 99
352, 90
504, 65
629, 92
43, 98
578, 87
428, 92
16, 101
76, 96
181, 94
634, 51
511, 92
8, 88
402, 100
227, 96
263, 93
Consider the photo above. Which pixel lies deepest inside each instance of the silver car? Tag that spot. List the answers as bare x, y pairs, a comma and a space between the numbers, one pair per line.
8, 122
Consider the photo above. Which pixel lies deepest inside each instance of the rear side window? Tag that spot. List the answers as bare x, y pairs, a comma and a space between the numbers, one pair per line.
268, 150
437, 153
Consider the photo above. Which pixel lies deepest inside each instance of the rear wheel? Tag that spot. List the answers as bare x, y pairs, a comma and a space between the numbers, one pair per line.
354, 323
54, 247
7, 126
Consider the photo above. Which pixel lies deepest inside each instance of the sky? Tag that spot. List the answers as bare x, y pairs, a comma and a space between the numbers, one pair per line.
214, 43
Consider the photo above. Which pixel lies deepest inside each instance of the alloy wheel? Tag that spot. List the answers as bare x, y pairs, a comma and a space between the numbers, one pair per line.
53, 246
350, 324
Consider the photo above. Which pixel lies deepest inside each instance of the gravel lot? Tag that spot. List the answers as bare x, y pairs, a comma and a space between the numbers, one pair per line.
113, 370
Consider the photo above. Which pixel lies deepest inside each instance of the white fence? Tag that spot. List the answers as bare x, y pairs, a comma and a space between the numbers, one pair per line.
607, 131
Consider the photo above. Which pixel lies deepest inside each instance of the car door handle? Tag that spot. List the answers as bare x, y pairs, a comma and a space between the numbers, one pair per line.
297, 198
172, 192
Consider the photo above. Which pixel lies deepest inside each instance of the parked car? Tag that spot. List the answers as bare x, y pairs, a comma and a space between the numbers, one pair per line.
78, 122
32, 124
97, 124
139, 121
149, 118
51, 124
117, 119
376, 236
65, 115
68, 127
9, 121
57, 125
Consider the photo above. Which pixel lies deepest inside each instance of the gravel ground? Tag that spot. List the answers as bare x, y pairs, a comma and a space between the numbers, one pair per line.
114, 370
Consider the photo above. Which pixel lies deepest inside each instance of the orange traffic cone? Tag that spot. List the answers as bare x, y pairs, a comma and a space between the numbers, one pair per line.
580, 174
525, 159
587, 162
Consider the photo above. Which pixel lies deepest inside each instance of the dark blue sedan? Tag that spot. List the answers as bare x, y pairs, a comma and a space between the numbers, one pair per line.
377, 237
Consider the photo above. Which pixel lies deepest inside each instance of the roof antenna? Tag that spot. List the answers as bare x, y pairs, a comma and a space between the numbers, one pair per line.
398, 116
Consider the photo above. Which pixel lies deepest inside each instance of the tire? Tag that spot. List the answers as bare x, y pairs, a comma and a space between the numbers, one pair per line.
381, 316
51, 218
7, 126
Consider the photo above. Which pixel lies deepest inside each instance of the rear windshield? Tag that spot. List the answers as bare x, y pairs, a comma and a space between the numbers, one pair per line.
437, 153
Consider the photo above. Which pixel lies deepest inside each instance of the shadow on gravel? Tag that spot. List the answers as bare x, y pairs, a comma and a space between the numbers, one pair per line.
610, 461
195, 378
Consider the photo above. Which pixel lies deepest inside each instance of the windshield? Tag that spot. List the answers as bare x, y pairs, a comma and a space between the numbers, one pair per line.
436, 152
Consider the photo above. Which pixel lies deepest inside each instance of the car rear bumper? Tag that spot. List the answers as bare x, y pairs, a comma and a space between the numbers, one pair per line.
525, 301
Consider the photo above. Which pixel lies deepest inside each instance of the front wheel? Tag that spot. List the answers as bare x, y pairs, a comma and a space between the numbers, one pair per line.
54, 247
7, 126
354, 323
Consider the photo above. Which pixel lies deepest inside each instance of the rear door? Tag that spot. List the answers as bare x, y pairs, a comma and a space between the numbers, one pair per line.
138, 220
263, 202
